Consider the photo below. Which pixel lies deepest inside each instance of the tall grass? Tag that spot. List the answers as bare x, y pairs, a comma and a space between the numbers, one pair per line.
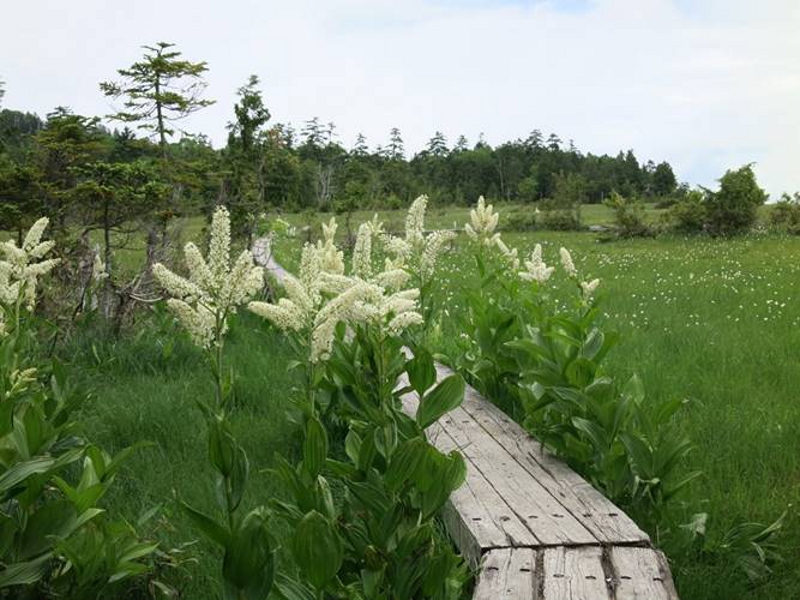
145, 390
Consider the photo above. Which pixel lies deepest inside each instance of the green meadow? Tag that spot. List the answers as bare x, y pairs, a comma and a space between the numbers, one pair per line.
713, 321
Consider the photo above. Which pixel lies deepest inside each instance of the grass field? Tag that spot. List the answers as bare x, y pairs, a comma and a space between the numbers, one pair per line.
715, 321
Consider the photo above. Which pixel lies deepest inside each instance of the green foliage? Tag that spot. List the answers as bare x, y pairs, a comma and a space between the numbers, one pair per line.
563, 210
664, 181
55, 537
689, 214
245, 156
546, 365
158, 90
733, 209
785, 215
21, 196
65, 144
378, 540
248, 548
113, 196
628, 215
605, 430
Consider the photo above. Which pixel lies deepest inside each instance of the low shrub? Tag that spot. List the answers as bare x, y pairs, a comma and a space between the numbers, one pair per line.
628, 216
563, 210
689, 214
785, 215
734, 208
522, 219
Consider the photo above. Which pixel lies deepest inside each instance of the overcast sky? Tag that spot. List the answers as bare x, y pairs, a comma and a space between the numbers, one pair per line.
704, 84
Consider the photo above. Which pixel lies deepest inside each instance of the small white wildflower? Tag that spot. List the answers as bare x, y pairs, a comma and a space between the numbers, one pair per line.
589, 287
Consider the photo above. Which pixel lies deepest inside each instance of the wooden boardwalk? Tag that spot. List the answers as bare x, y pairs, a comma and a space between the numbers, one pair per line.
533, 528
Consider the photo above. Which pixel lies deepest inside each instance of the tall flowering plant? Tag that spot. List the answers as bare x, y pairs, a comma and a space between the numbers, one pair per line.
417, 252
377, 540
482, 230
20, 270
203, 303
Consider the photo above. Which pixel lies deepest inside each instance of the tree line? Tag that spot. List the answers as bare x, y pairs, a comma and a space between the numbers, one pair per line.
75, 169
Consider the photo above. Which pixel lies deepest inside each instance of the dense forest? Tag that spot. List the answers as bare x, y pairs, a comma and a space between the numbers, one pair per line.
75, 169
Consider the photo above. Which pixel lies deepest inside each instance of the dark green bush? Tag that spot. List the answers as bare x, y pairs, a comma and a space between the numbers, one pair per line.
628, 216
523, 219
734, 208
562, 212
689, 214
785, 215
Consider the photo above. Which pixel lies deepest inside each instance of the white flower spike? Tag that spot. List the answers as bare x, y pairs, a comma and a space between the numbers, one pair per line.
535, 267
214, 288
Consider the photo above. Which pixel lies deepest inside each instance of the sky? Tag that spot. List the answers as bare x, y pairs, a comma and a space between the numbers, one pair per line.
704, 84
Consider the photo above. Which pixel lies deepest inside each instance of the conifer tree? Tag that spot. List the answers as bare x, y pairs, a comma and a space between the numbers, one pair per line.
160, 89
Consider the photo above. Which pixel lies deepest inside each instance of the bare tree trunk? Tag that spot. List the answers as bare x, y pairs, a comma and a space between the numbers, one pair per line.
324, 185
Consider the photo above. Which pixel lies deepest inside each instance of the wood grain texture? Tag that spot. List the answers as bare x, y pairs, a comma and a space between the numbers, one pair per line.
598, 514
507, 574
525, 498
641, 574
574, 574
481, 518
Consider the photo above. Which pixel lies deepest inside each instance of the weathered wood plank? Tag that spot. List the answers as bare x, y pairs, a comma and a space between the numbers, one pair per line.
480, 524
521, 496
507, 574
574, 574
641, 574
598, 514
542, 513
480, 518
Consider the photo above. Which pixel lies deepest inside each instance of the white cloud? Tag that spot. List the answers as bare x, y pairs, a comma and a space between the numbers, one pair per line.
706, 85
